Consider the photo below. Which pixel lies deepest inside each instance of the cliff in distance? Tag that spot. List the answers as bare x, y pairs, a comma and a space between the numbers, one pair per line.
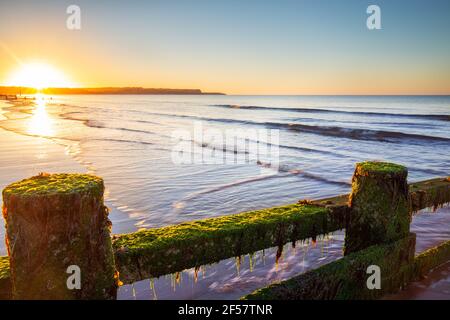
105, 90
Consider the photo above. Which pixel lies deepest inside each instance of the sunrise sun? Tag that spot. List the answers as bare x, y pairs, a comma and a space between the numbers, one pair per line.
39, 76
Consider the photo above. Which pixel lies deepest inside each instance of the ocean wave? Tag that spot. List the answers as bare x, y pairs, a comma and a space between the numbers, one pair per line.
351, 133
123, 141
335, 131
442, 117
283, 171
358, 134
228, 185
296, 171
206, 145
428, 171
100, 125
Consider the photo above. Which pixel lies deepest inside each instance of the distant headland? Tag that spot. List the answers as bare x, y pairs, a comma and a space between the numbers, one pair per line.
103, 90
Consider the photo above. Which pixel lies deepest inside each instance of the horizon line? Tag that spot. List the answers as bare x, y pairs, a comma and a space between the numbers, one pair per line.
190, 91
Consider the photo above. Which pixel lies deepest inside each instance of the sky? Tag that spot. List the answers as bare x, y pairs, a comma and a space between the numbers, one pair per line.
236, 47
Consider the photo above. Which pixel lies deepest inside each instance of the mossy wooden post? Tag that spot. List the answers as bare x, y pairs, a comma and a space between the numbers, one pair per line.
53, 222
379, 205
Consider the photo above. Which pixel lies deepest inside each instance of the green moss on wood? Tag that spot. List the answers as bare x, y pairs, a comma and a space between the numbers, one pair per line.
432, 193
142, 255
137, 252
50, 184
380, 168
154, 252
52, 222
379, 205
422, 264
346, 278
5, 279
4, 268
431, 259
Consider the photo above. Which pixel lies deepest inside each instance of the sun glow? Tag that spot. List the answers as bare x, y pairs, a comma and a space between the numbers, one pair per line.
41, 123
39, 76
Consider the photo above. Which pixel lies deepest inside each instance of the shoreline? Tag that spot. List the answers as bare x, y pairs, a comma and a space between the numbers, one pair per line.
41, 154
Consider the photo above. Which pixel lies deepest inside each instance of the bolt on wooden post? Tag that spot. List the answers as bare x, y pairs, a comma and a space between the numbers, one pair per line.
54, 222
380, 208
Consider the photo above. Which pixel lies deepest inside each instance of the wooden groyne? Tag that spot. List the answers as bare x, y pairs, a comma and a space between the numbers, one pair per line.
56, 226
377, 233
8, 97
5, 279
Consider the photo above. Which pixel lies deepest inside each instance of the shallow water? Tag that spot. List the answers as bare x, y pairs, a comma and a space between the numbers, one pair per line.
435, 286
128, 140
236, 277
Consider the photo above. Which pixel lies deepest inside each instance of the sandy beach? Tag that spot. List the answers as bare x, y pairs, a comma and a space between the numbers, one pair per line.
24, 156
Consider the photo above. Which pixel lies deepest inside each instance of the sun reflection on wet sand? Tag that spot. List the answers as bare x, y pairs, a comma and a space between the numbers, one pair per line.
40, 124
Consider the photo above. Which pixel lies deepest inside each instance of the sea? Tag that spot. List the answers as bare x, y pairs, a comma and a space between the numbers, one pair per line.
167, 159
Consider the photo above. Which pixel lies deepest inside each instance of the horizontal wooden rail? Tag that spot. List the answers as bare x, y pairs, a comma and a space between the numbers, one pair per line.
346, 277
431, 259
5, 280
432, 193
154, 252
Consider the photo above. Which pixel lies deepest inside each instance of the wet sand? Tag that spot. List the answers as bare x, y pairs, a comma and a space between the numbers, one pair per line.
431, 230
434, 286
25, 156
